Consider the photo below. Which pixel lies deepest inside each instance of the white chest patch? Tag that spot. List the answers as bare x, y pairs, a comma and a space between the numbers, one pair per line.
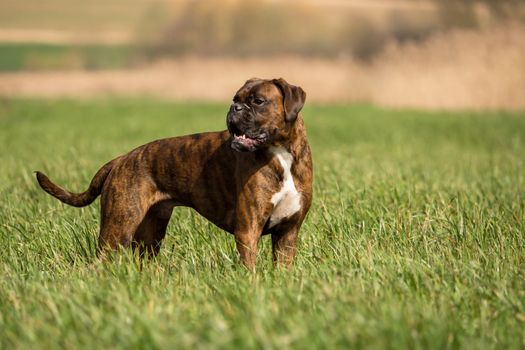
287, 201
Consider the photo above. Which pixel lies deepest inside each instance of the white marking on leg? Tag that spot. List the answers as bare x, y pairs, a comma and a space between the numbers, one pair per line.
287, 201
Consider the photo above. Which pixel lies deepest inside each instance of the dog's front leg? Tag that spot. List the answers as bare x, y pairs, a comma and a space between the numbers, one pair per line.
251, 216
283, 245
247, 247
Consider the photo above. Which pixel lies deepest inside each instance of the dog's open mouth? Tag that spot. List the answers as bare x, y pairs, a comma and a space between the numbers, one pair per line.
245, 143
245, 140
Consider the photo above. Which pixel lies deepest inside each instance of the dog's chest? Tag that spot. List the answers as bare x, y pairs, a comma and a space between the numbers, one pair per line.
287, 201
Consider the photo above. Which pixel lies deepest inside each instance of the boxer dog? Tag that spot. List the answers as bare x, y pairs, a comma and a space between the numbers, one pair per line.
253, 179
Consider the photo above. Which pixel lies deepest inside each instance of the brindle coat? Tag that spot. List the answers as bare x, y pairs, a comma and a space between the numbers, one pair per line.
229, 183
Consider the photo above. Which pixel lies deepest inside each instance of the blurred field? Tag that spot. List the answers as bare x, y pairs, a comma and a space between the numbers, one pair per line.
16, 57
410, 54
91, 20
414, 240
459, 69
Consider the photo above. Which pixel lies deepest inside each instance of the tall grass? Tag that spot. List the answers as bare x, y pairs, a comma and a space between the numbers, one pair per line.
415, 238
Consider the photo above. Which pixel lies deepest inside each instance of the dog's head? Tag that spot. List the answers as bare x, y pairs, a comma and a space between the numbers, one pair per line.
262, 113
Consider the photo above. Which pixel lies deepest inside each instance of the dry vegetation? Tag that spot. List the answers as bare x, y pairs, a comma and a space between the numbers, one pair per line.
458, 69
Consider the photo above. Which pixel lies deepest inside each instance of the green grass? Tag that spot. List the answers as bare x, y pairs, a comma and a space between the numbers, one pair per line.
415, 238
18, 57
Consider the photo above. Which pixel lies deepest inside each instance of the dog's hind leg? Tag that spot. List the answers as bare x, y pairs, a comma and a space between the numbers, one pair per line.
118, 227
123, 210
152, 229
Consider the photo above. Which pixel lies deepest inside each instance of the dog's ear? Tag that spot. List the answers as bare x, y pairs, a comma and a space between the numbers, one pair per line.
252, 80
293, 98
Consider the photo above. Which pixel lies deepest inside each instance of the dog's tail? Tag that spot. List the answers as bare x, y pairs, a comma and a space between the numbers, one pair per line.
77, 199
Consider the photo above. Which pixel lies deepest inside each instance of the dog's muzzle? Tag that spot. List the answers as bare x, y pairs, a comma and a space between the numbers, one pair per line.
245, 136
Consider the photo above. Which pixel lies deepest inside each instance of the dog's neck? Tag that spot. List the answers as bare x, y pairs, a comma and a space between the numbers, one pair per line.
297, 137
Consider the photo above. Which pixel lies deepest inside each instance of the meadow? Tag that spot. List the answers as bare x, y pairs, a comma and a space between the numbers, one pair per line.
415, 238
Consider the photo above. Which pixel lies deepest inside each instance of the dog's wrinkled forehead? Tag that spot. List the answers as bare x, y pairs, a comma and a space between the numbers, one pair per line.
258, 88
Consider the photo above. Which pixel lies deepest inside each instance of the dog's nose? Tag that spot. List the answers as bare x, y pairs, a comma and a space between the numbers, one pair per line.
236, 107
232, 117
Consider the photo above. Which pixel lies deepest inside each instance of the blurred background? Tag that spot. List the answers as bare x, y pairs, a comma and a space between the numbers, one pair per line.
448, 54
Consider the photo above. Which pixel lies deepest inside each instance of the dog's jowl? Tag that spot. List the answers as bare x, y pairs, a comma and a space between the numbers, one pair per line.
250, 180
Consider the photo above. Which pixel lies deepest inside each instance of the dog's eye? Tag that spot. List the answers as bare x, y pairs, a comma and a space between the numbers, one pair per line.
258, 101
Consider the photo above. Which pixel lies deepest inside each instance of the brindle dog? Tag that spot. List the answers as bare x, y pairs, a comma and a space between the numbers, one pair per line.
250, 180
